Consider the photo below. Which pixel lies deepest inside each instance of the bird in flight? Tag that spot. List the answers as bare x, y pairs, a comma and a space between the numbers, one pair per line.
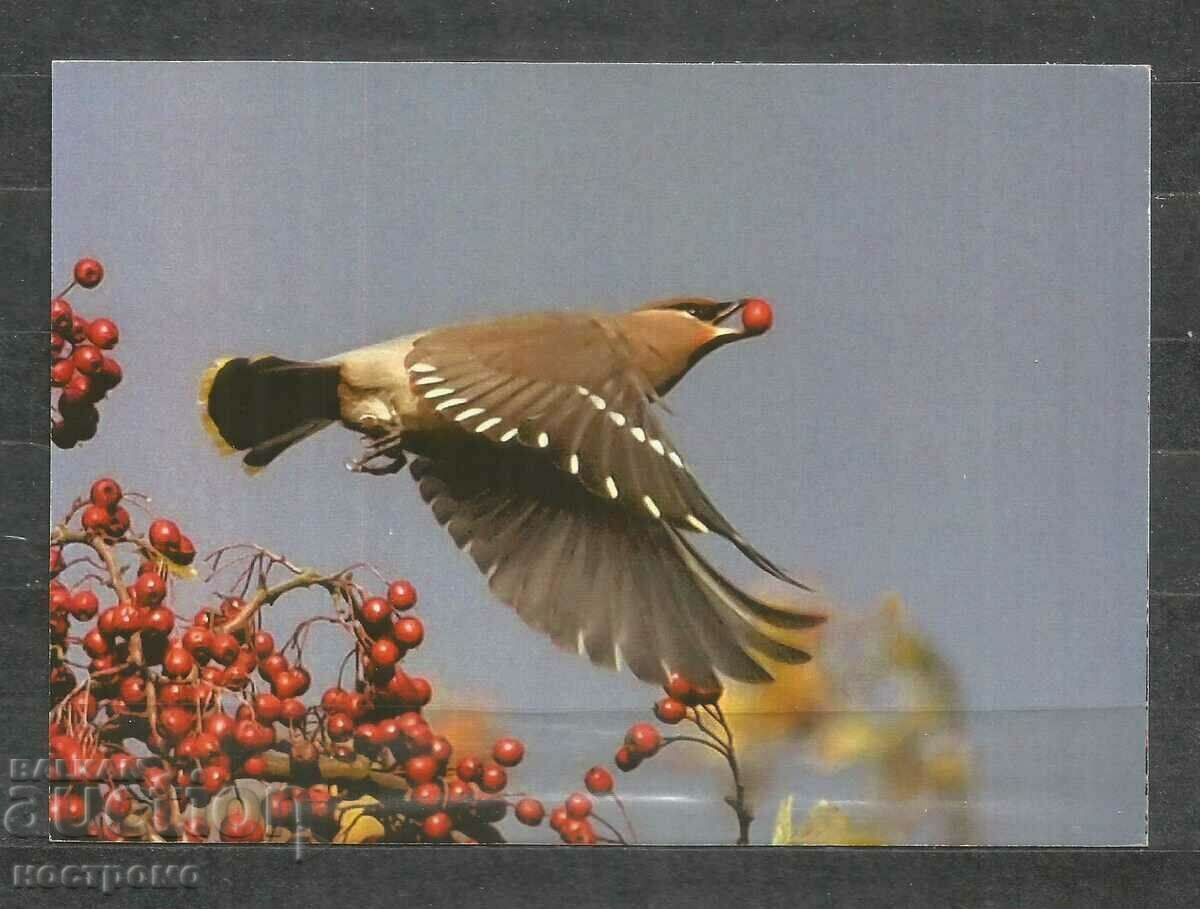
536, 440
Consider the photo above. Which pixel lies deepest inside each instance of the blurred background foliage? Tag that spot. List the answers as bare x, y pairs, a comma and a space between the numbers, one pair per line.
878, 709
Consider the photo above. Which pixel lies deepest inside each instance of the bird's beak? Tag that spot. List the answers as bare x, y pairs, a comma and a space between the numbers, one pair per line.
728, 309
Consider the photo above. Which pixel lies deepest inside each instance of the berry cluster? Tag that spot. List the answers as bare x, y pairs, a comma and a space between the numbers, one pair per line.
700, 706
159, 732
80, 367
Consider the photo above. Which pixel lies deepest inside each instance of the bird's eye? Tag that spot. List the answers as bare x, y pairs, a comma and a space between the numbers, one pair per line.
693, 309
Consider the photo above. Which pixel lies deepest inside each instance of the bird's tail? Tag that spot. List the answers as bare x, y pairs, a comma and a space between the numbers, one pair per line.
264, 405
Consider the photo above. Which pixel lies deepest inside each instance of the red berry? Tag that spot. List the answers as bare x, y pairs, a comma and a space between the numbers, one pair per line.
220, 724
88, 359
558, 817
185, 553
291, 683
110, 374
263, 644
199, 642
268, 707
273, 666
208, 746
67, 809
530, 812
421, 689
644, 739
213, 779
95, 519
106, 492
128, 619
239, 827
401, 595
375, 611
88, 272
384, 652
419, 737
578, 833
255, 765
578, 805
626, 759
340, 726
61, 372
670, 710
160, 620
459, 793
61, 315
508, 751
118, 804
224, 648
175, 722
679, 688
420, 769
281, 807
79, 389
292, 710
176, 693
757, 316
119, 522
251, 735
441, 749
79, 327
387, 731
57, 562
469, 769
133, 690
164, 535
334, 700
103, 333
598, 781
493, 779
358, 704
84, 605
150, 588
437, 826
409, 631
428, 795
178, 662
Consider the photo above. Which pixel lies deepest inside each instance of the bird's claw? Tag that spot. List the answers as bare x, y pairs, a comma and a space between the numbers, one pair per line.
387, 450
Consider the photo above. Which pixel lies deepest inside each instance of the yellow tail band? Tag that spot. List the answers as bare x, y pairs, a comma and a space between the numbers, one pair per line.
206, 383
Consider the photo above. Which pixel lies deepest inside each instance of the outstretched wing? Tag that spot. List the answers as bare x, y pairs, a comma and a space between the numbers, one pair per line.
615, 584
563, 385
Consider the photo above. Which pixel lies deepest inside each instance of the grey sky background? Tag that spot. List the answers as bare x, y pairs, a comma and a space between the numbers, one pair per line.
952, 404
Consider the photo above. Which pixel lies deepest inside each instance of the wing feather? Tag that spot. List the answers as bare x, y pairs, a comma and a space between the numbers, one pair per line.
615, 584
518, 380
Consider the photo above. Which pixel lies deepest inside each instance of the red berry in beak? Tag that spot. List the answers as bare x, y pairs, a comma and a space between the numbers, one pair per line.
757, 316
89, 272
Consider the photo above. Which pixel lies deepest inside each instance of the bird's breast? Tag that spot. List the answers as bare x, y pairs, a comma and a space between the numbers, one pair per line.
374, 390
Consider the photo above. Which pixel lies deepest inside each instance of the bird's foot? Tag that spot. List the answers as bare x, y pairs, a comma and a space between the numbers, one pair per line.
380, 457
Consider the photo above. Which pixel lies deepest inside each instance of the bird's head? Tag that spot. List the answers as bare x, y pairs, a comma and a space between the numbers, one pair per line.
669, 337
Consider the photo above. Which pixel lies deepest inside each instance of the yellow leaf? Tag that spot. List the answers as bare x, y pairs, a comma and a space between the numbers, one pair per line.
782, 836
828, 825
355, 825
